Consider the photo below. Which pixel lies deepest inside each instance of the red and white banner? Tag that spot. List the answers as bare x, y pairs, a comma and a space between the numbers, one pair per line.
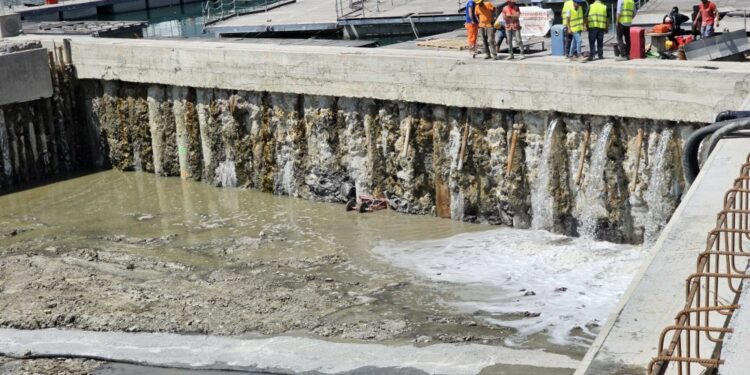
536, 21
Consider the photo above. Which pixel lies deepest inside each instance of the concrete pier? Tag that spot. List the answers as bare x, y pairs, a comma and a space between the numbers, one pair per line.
647, 89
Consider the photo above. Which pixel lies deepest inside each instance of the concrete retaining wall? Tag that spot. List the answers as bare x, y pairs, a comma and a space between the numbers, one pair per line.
24, 76
659, 91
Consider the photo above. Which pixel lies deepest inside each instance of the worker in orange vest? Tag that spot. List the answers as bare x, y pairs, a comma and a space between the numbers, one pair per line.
485, 12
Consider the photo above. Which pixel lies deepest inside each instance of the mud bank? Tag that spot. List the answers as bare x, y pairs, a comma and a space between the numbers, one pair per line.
426, 159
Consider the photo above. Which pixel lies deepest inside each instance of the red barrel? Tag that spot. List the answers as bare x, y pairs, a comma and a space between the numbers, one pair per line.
637, 43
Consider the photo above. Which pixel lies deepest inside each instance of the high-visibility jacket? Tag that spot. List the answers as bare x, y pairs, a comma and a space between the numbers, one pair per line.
627, 12
576, 20
566, 7
598, 15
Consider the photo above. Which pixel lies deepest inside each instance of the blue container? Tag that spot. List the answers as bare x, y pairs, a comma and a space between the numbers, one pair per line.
558, 40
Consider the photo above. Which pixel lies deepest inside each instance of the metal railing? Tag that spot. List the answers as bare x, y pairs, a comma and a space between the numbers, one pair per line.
693, 344
219, 10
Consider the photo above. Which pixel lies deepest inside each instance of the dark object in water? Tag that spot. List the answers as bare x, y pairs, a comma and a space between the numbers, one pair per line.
367, 204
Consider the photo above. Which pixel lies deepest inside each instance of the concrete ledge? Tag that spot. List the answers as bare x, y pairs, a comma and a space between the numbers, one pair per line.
680, 91
25, 76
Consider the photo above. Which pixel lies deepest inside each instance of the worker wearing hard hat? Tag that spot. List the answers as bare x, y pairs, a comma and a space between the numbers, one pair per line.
597, 22
576, 26
485, 12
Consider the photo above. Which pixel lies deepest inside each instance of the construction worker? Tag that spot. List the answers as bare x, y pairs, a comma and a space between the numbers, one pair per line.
512, 16
500, 29
625, 14
485, 12
708, 18
472, 28
597, 22
576, 26
567, 6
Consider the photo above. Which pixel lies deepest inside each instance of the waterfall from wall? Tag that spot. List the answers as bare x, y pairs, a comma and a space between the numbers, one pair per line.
226, 174
137, 161
592, 202
541, 198
659, 206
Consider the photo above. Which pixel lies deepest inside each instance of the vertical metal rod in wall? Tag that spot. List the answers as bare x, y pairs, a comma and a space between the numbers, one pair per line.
584, 148
638, 147
512, 153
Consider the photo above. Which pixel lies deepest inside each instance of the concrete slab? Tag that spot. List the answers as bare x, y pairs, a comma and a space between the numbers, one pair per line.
25, 76
653, 89
629, 340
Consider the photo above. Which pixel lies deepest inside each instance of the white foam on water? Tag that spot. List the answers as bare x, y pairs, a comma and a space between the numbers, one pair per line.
491, 271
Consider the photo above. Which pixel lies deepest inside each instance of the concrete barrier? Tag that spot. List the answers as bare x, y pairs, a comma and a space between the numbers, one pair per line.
24, 76
659, 90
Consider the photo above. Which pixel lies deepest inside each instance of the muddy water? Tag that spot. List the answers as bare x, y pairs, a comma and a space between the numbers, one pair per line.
131, 251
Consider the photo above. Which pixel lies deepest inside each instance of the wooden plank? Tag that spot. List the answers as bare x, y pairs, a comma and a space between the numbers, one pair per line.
457, 44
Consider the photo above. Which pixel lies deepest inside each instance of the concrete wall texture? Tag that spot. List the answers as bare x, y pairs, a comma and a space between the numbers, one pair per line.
681, 91
24, 76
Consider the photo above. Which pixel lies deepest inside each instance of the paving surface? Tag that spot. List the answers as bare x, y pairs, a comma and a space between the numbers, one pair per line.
628, 341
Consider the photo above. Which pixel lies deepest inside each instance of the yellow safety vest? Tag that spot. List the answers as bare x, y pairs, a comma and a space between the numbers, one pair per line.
576, 20
566, 7
627, 12
598, 15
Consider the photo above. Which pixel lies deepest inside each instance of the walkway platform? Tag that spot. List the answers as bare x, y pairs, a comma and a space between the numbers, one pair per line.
630, 338
653, 12
79, 9
322, 16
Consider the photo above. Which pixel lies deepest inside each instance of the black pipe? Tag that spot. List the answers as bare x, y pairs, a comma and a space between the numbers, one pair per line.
731, 115
740, 124
690, 162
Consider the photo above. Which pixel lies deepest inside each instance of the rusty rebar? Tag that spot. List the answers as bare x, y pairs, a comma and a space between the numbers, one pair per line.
718, 261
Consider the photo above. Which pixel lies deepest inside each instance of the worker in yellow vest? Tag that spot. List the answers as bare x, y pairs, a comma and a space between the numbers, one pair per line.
576, 26
567, 6
597, 22
625, 14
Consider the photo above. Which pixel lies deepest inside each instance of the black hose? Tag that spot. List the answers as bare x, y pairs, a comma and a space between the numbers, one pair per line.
731, 115
690, 161
32, 356
741, 124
